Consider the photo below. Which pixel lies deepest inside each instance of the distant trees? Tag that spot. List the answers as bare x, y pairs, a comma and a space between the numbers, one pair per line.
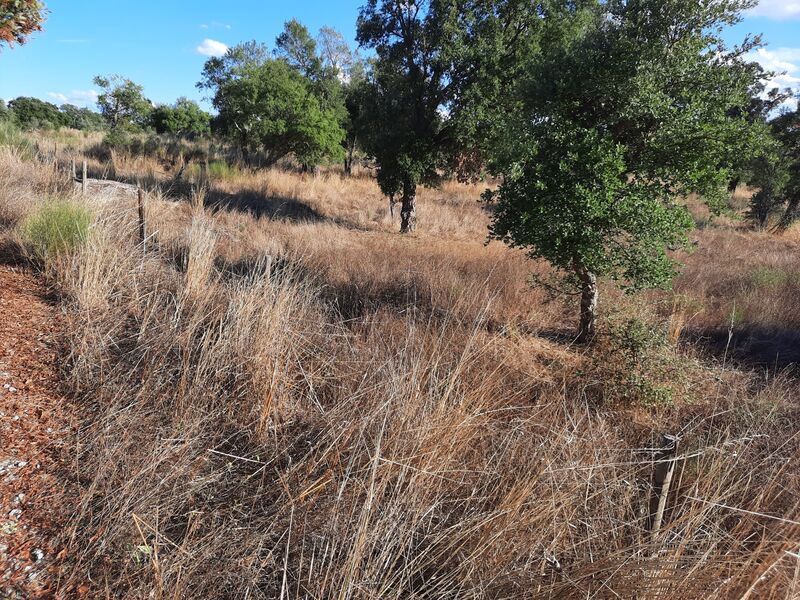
32, 113
288, 105
122, 102
264, 105
786, 129
19, 19
81, 118
645, 106
184, 119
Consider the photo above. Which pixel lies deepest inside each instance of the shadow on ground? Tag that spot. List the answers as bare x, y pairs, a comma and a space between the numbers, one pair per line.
749, 346
259, 205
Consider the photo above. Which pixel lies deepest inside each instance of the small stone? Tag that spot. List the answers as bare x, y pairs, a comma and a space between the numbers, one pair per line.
38, 554
15, 514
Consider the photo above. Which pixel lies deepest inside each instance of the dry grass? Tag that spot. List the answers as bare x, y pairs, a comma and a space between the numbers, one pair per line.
286, 399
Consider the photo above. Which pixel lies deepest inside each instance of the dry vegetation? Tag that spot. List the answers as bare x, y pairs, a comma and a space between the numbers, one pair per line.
286, 399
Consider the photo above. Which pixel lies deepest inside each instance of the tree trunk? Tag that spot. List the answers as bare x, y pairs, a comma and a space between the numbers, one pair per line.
789, 215
408, 208
348, 162
589, 295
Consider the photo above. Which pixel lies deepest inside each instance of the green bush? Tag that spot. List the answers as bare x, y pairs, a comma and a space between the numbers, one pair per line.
10, 135
219, 169
58, 227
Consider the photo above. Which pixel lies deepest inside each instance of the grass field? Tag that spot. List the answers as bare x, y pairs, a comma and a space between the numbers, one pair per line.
285, 398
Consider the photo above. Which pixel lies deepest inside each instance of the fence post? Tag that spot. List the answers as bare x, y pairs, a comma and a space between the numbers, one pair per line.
142, 221
84, 182
74, 172
662, 478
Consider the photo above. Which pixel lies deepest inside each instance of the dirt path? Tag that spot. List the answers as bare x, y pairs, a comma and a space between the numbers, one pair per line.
35, 422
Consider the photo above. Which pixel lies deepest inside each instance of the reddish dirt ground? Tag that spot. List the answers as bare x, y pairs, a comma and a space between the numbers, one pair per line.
35, 425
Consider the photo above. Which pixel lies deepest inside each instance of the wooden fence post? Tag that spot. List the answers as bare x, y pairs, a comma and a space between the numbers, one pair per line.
142, 221
84, 182
662, 478
74, 172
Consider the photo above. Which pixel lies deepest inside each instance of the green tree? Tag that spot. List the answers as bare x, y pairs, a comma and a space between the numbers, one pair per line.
32, 113
81, 118
220, 70
5, 114
324, 76
269, 107
295, 46
122, 102
440, 82
185, 119
409, 89
645, 107
19, 19
786, 129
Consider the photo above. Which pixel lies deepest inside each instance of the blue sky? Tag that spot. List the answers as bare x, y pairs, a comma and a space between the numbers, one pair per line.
163, 45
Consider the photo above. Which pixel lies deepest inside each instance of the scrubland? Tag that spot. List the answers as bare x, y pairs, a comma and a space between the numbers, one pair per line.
284, 398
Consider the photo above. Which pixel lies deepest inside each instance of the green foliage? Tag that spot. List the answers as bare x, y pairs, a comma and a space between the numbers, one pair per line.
219, 169
441, 82
326, 66
83, 119
295, 46
122, 102
265, 105
645, 106
183, 119
405, 125
786, 181
11, 136
32, 113
57, 227
639, 363
5, 114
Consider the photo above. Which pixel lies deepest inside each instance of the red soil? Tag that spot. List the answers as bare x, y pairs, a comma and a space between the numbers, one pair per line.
35, 424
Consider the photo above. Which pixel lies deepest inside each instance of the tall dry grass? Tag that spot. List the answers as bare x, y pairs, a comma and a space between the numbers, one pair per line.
303, 404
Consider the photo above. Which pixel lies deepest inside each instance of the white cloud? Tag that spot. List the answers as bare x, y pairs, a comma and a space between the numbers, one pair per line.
777, 9
785, 63
211, 48
215, 24
82, 98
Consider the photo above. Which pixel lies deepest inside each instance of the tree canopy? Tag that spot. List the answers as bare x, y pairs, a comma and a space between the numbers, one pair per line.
184, 118
646, 106
440, 84
267, 106
19, 19
32, 113
122, 102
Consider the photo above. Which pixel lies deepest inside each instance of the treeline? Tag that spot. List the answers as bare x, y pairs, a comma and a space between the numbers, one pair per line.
32, 113
184, 118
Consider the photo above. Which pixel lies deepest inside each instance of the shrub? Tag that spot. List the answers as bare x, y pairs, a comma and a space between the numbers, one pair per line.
58, 227
219, 169
10, 135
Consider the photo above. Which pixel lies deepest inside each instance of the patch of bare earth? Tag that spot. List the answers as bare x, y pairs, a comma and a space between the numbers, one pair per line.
35, 424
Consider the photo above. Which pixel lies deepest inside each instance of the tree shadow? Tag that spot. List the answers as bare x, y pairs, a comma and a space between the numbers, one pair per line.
259, 205
749, 346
